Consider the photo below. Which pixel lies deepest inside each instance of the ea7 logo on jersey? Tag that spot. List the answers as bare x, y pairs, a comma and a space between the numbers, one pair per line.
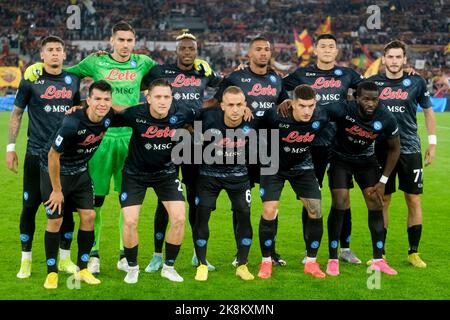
58, 140
246, 79
284, 125
310, 74
169, 72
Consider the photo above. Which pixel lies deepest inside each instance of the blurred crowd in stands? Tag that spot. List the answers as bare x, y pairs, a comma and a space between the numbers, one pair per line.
424, 24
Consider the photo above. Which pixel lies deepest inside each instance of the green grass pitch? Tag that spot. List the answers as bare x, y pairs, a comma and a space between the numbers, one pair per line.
287, 283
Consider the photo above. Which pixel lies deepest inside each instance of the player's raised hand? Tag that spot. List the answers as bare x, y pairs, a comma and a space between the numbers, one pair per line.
100, 53
284, 107
203, 65
55, 201
240, 67
410, 71
248, 114
73, 109
430, 154
12, 161
33, 72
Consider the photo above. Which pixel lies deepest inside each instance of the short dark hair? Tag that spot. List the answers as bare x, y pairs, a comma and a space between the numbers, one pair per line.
258, 38
367, 86
158, 83
101, 85
396, 44
325, 36
52, 39
122, 26
304, 92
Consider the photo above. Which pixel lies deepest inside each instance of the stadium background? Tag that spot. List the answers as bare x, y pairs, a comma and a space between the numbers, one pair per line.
223, 30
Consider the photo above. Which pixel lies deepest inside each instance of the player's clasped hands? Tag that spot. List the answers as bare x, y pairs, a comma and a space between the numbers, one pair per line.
377, 192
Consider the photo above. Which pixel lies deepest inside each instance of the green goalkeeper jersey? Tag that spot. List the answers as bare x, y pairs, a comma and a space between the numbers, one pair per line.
124, 77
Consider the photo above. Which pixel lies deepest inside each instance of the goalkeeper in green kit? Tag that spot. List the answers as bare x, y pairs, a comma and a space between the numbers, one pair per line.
123, 70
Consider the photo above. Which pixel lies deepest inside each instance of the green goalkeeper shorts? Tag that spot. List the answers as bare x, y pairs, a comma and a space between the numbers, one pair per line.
108, 162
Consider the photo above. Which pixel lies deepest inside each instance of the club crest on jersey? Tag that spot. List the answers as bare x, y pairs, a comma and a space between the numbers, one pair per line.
273, 79
406, 82
58, 140
107, 123
246, 129
133, 64
315, 125
173, 119
68, 79
338, 72
377, 125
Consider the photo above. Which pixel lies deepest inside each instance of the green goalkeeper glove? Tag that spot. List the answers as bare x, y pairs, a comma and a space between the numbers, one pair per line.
202, 65
33, 72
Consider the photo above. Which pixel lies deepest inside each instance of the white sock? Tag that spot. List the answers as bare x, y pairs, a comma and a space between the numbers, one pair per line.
157, 254
266, 259
63, 254
376, 260
308, 259
345, 249
167, 267
26, 255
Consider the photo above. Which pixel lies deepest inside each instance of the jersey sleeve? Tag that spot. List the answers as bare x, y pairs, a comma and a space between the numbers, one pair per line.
423, 97
391, 129
283, 95
66, 132
292, 80
153, 74
225, 84
23, 94
149, 63
86, 67
334, 110
355, 79
214, 80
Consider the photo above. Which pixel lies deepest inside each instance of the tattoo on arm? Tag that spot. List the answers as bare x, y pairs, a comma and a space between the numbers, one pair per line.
14, 124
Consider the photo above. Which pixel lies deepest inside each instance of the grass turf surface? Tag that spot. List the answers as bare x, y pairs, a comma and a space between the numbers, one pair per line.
286, 283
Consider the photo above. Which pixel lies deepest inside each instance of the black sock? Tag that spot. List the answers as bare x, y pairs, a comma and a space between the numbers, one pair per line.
27, 227
244, 235
384, 240
161, 222
201, 233
414, 234
376, 227
131, 255
335, 219
66, 231
234, 224
190, 197
51, 250
276, 233
346, 229
304, 222
85, 241
314, 230
172, 251
266, 236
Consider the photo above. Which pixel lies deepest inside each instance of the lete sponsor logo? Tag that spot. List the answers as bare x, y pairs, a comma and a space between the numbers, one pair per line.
52, 93
358, 131
91, 139
115, 74
295, 136
321, 82
388, 94
182, 81
259, 90
155, 132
